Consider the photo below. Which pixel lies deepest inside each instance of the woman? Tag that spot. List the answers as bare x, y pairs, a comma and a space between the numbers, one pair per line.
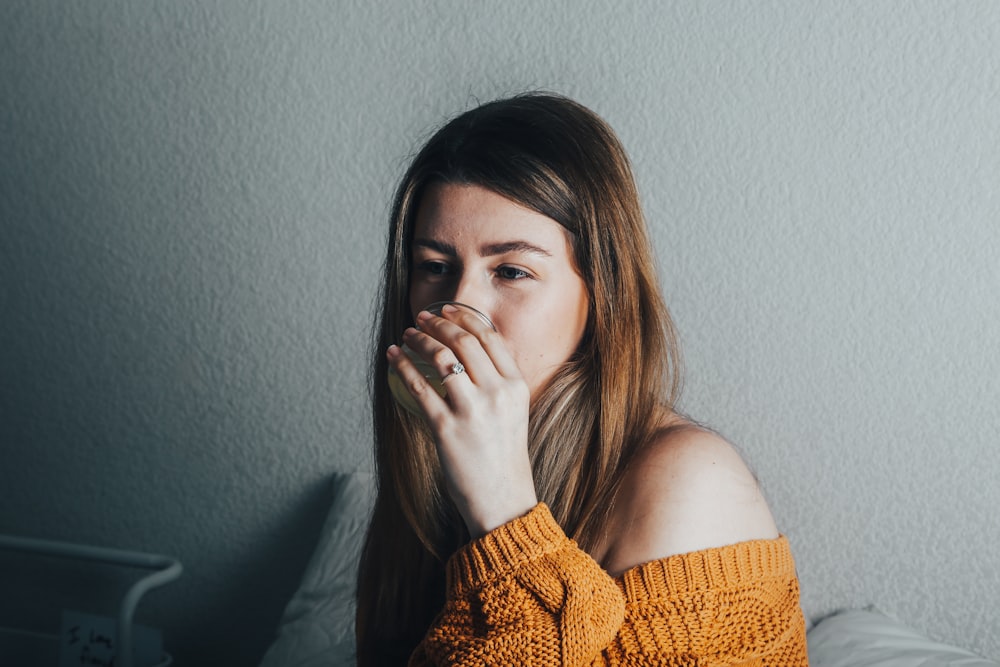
552, 508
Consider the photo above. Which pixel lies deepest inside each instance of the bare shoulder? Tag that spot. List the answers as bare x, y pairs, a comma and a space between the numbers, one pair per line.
687, 490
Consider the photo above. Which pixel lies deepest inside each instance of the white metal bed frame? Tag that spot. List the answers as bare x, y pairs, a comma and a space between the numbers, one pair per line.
166, 569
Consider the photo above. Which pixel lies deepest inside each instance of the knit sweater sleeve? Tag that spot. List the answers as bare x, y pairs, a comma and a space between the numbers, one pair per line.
525, 594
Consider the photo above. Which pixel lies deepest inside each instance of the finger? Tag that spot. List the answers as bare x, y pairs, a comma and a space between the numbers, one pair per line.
489, 338
461, 386
474, 342
440, 357
443, 342
423, 391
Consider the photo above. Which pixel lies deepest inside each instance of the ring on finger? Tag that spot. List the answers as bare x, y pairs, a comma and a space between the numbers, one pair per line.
457, 368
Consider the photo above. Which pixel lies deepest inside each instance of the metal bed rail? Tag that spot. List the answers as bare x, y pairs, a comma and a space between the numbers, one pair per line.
166, 568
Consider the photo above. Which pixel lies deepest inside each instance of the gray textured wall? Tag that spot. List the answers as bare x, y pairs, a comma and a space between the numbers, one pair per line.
192, 201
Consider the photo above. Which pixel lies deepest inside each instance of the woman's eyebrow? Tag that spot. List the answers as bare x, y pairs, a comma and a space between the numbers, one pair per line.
438, 246
488, 250
492, 249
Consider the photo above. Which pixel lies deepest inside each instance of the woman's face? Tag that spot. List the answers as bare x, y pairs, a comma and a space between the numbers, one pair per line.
479, 248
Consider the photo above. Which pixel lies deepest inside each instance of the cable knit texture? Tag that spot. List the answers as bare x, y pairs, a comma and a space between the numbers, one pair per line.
525, 594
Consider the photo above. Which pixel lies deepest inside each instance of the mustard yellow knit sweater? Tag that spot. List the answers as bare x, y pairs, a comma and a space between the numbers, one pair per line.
525, 594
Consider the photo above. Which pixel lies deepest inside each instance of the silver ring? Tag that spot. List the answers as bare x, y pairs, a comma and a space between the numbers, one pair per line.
456, 369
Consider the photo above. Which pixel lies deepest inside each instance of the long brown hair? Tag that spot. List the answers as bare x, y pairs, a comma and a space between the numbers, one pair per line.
556, 157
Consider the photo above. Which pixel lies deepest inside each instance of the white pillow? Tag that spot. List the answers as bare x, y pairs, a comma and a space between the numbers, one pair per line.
863, 638
317, 628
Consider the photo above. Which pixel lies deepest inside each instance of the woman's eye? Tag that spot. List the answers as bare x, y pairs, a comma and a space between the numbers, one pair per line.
433, 268
511, 273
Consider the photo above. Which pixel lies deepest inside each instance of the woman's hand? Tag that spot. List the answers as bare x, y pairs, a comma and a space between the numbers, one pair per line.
481, 426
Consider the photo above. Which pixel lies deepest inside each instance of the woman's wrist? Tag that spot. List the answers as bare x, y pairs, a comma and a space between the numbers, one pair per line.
480, 521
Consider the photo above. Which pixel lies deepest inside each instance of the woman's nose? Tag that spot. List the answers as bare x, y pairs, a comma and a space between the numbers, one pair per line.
470, 293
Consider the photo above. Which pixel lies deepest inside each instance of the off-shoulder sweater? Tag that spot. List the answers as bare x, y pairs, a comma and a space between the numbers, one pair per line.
525, 594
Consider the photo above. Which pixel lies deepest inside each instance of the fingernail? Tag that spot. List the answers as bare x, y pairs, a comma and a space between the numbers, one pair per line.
449, 308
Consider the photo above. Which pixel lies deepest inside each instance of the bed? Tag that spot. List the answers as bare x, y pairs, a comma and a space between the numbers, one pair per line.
317, 627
